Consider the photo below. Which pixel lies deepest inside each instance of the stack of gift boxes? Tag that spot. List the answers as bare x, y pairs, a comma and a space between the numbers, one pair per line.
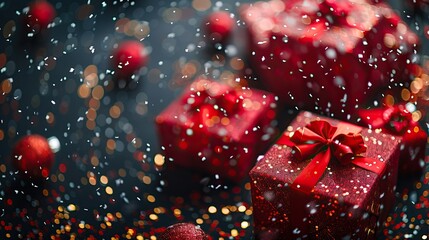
324, 176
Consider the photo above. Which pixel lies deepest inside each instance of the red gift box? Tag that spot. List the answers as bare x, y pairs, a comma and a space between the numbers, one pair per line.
303, 49
217, 129
324, 179
397, 120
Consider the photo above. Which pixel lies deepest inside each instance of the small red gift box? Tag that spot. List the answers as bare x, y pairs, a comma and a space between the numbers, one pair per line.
397, 120
217, 129
302, 50
324, 179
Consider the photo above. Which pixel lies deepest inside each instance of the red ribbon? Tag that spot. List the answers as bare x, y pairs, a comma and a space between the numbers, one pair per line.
395, 120
323, 142
209, 103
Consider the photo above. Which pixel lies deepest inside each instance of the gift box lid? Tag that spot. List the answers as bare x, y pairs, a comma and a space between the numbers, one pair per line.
240, 110
348, 184
339, 24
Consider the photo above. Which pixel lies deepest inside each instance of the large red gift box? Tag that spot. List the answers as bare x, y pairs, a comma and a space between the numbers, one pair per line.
398, 120
324, 179
217, 129
304, 49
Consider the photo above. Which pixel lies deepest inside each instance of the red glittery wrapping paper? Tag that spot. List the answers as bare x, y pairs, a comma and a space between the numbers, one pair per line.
299, 58
413, 146
183, 231
348, 201
230, 154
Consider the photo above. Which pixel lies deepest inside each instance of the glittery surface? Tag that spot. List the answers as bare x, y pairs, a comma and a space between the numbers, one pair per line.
109, 179
344, 199
183, 231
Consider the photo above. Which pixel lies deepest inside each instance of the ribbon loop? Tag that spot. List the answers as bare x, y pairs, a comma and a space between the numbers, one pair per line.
346, 147
306, 151
322, 142
397, 119
307, 136
323, 128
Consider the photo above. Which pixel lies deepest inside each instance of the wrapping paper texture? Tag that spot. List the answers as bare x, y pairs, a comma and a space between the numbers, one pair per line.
300, 51
348, 201
229, 147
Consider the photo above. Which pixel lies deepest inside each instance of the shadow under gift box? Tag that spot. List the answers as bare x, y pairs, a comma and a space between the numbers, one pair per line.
347, 202
350, 49
217, 129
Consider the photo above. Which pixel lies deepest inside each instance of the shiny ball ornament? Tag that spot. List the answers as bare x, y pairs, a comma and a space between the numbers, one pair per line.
218, 26
183, 231
40, 14
33, 157
128, 58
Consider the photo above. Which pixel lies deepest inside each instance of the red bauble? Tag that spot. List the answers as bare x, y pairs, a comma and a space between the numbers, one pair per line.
218, 26
129, 57
183, 231
40, 14
33, 157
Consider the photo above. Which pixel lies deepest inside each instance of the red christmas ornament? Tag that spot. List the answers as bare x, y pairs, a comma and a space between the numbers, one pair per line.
183, 231
218, 26
33, 157
40, 14
129, 57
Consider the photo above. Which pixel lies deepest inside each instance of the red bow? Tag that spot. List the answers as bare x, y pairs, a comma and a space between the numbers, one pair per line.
209, 106
396, 119
323, 142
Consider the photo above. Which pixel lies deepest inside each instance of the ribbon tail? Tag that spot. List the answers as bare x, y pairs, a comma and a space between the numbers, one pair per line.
370, 164
312, 173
